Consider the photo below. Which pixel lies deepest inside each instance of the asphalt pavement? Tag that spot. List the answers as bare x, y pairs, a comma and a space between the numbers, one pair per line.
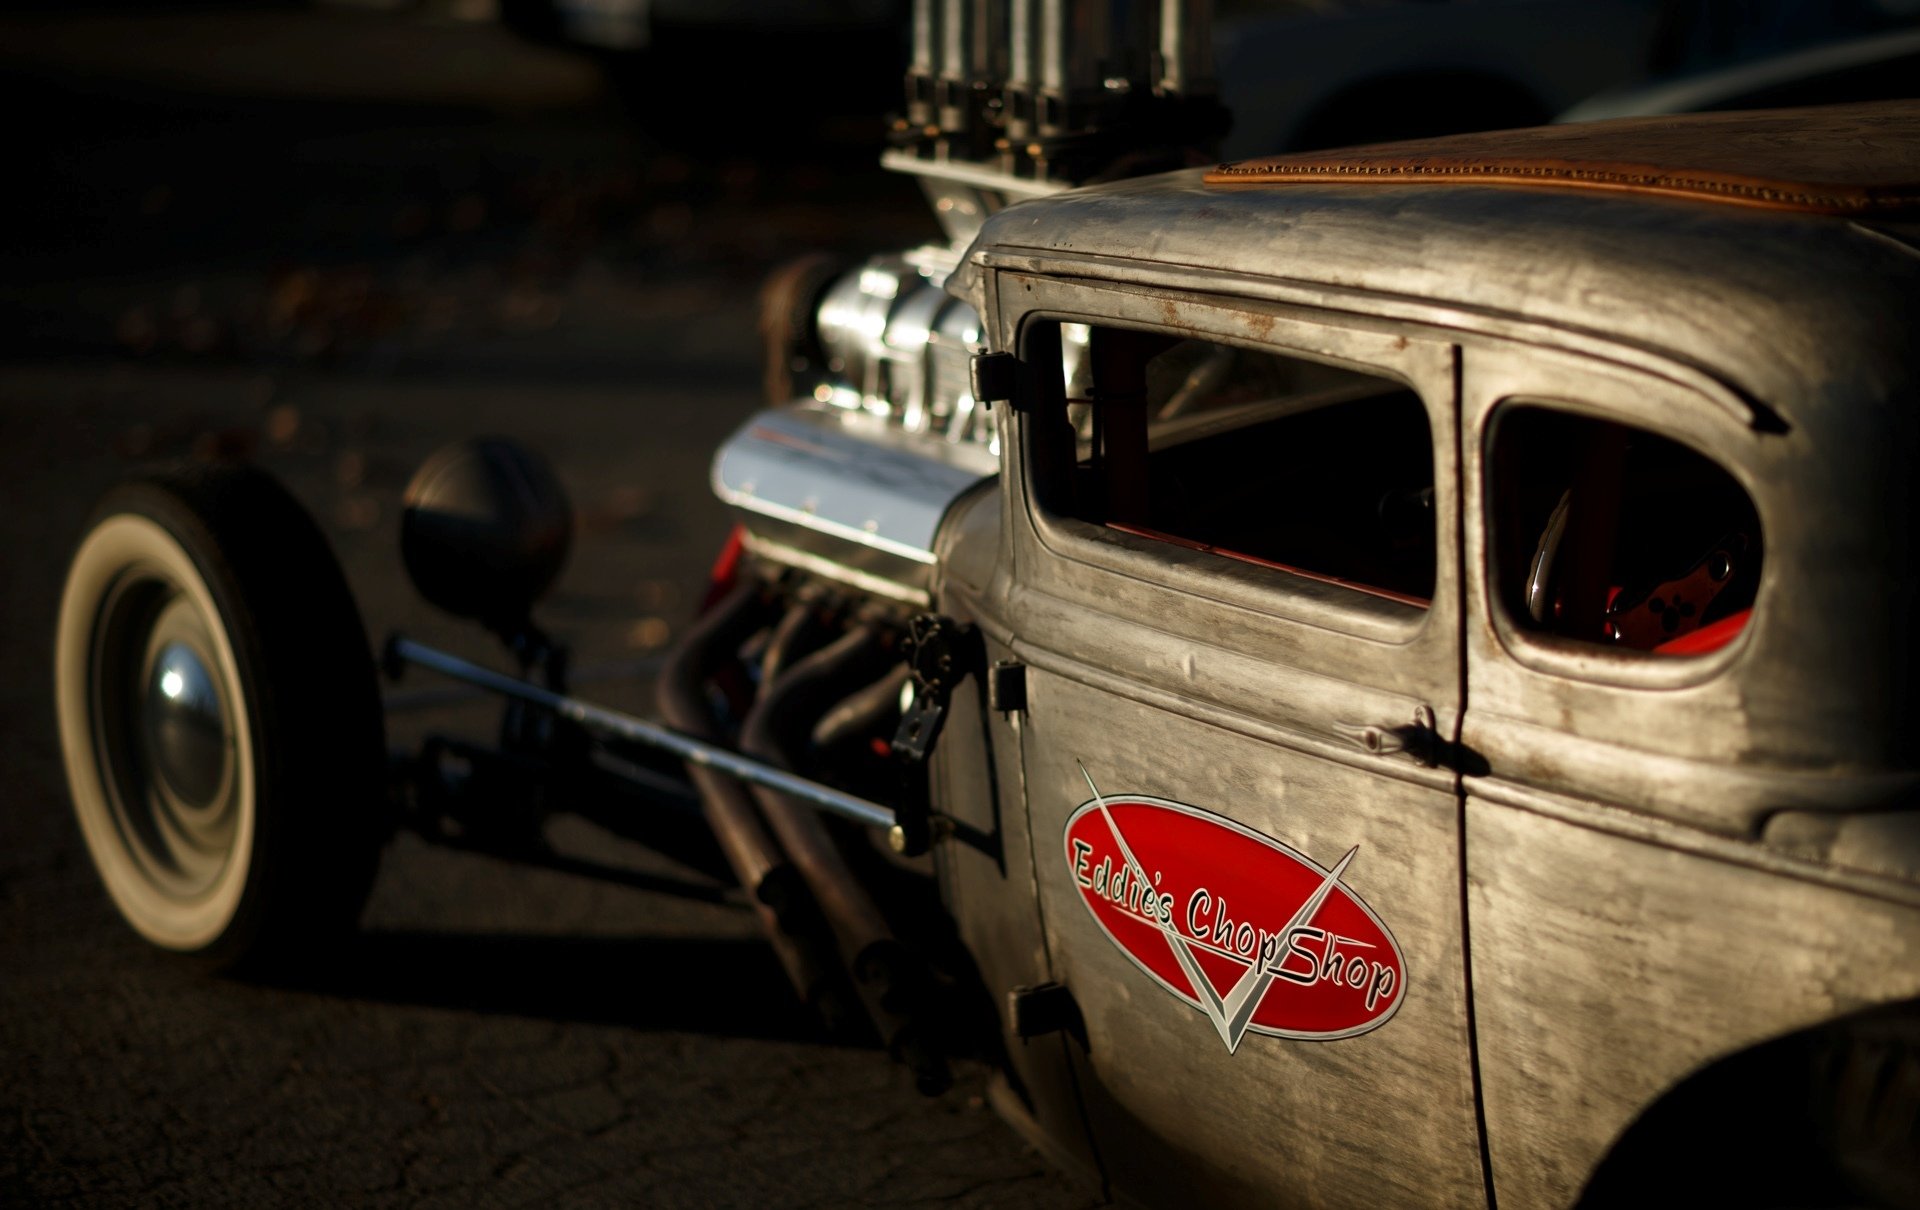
330, 241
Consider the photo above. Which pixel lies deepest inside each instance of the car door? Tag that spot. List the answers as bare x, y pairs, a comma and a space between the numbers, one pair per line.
1233, 531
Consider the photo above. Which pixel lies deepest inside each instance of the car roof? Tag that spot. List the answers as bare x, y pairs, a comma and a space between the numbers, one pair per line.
1857, 160
1774, 301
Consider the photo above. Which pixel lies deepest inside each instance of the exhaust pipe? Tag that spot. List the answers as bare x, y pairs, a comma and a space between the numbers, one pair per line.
891, 979
777, 891
806, 689
681, 695
863, 713
805, 896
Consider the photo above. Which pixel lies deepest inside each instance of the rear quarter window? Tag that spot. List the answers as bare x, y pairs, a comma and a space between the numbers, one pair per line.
1608, 535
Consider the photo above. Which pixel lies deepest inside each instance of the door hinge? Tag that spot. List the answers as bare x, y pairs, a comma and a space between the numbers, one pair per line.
995, 375
1007, 686
1045, 1008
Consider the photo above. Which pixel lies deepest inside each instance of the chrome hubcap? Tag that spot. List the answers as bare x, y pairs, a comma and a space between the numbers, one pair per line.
165, 735
185, 726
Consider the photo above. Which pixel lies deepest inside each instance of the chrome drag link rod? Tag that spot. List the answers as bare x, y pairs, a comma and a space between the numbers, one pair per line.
401, 650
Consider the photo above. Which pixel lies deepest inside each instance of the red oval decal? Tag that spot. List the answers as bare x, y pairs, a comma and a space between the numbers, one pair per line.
1259, 937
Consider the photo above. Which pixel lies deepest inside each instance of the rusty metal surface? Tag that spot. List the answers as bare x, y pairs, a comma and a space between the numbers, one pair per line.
1606, 825
1763, 299
1169, 674
1608, 968
1624, 874
1854, 160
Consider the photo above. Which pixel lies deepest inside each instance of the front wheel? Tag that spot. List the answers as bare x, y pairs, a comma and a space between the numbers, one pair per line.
219, 715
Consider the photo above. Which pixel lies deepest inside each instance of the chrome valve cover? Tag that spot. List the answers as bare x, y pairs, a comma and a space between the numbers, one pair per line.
845, 494
852, 482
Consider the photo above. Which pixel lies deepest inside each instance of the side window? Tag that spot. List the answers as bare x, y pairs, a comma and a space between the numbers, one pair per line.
1250, 455
1612, 535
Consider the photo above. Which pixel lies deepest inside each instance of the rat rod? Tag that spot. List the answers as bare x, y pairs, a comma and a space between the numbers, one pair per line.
1361, 678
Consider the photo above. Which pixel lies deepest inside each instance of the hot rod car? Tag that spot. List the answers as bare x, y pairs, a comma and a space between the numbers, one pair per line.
1374, 677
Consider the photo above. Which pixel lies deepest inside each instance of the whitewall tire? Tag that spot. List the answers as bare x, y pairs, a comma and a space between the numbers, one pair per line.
219, 717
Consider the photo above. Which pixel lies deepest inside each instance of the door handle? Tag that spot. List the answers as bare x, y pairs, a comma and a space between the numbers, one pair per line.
1418, 739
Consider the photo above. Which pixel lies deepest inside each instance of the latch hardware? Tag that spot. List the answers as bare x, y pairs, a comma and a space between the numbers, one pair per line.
937, 658
933, 660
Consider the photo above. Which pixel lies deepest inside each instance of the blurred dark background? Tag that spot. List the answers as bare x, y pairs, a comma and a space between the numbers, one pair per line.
330, 237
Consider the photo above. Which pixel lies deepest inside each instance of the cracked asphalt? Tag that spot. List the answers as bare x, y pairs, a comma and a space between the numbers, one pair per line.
330, 241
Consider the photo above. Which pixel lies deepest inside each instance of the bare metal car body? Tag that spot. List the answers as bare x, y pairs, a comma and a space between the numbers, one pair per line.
1612, 873
1411, 689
